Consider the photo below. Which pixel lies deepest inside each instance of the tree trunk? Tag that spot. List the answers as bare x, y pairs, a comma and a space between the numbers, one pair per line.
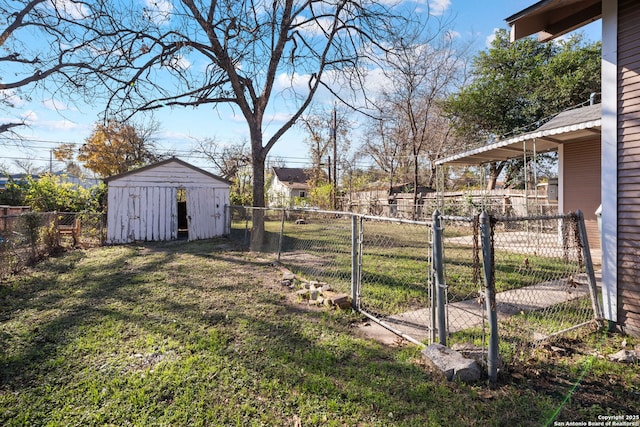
495, 168
258, 156
414, 211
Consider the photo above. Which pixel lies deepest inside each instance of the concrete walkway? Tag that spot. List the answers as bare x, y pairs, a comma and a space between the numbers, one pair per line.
471, 313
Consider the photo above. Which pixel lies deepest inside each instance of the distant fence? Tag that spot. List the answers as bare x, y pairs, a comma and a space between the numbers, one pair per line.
505, 203
457, 280
30, 236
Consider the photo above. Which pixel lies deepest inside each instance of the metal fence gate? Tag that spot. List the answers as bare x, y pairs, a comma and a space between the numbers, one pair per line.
461, 281
394, 284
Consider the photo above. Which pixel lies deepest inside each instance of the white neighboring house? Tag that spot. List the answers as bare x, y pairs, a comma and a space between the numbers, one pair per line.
288, 185
165, 200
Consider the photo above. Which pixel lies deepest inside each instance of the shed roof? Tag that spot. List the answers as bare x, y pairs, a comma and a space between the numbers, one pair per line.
164, 162
572, 125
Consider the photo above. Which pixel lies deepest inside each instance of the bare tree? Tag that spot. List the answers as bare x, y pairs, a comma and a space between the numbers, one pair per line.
227, 158
14, 20
231, 162
231, 52
328, 140
40, 50
422, 70
385, 141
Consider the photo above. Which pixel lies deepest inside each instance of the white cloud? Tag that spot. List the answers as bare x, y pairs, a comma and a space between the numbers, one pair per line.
71, 9
158, 11
438, 7
29, 116
297, 82
452, 35
60, 125
179, 62
315, 27
10, 97
54, 105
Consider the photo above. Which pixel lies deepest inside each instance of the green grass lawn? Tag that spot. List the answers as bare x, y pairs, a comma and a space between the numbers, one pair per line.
196, 333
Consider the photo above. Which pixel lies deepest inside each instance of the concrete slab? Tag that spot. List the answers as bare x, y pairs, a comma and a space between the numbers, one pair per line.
471, 313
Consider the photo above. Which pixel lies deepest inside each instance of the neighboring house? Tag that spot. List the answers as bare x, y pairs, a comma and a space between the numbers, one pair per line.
4, 179
289, 184
620, 145
165, 201
575, 135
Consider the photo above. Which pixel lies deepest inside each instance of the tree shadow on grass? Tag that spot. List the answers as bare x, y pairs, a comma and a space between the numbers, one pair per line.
185, 335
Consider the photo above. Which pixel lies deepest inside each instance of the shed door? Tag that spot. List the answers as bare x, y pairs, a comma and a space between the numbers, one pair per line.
133, 216
201, 213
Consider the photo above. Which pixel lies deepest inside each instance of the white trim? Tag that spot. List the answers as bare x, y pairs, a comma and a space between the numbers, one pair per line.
561, 209
609, 159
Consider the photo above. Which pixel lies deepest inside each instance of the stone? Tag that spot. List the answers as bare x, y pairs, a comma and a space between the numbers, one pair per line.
625, 356
340, 300
451, 363
288, 276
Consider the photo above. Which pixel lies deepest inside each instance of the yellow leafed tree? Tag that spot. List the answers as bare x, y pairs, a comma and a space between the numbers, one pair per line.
112, 149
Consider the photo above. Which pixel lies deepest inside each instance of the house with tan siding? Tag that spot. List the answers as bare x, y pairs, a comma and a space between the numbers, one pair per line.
575, 135
620, 141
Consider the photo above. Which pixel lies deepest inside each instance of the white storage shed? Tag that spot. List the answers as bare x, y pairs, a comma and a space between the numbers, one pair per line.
165, 201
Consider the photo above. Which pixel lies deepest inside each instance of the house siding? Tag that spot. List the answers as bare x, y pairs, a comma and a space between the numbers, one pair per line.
581, 175
628, 175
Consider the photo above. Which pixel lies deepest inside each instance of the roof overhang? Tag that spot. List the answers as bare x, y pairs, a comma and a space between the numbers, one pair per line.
553, 18
528, 144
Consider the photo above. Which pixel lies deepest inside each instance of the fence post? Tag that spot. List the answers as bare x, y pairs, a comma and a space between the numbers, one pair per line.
588, 262
227, 221
281, 237
438, 265
355, 264
490, 295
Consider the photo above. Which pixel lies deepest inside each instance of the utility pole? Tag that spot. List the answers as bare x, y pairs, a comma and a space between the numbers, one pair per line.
334, 137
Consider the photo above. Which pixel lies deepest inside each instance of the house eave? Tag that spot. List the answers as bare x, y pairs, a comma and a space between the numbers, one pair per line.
537, 142
553, 18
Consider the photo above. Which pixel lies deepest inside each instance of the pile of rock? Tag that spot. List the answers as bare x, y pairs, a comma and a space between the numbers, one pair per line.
314, 292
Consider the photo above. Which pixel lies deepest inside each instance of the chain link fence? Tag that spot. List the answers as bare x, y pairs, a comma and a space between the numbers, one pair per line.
394, 284
31, 236
540, 272
543, 275
459, 280
313, 244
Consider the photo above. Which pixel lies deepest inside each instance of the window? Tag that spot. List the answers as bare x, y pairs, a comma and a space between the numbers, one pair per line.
303, 194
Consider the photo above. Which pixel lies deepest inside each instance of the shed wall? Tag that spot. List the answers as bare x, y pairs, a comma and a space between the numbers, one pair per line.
143, 205
628, 261
142, 213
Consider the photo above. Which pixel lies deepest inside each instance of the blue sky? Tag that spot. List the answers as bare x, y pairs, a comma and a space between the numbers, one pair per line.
53, 121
